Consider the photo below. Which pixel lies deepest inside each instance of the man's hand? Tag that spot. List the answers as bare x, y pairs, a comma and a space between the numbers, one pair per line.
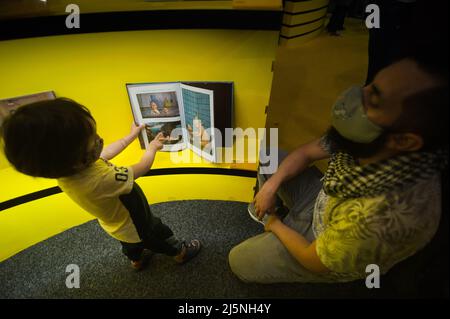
265, 200
157, 142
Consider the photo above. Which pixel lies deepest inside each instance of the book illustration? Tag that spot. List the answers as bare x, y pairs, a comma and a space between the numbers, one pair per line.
8, 106
183, 113
166, 128
164, 104
198, 118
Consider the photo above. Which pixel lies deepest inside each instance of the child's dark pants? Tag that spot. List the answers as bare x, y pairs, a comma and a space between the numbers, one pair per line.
155, 235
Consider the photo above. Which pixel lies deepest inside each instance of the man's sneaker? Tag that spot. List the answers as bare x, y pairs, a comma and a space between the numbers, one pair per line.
281, 212
252, 213
190, 249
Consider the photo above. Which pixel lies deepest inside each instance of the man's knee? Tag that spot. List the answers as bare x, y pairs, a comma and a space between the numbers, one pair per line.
240, 264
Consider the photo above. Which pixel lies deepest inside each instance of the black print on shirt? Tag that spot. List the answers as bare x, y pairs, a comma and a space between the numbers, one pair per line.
121, 174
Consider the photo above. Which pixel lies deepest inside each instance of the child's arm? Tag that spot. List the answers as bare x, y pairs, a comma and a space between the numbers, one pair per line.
147, 159
113, 149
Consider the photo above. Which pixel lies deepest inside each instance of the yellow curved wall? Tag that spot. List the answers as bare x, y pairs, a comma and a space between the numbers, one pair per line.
93, 70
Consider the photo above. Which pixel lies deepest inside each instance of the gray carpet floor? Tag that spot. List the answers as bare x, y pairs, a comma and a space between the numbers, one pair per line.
39, 271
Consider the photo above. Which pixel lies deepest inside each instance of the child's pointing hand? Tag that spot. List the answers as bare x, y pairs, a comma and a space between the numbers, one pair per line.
157, 142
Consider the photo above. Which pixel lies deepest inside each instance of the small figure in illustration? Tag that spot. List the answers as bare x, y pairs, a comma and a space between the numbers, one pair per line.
154, 108
166, 130
167, 106
198, 134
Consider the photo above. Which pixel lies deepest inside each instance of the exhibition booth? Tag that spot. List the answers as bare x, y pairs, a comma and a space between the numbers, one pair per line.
186, 42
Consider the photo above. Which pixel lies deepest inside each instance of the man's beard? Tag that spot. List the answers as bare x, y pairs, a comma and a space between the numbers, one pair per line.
357, 150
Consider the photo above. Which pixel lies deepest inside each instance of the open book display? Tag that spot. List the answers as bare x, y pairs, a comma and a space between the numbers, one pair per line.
185, 114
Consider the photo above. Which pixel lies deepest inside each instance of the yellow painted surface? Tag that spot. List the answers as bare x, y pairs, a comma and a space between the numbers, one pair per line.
307, 79
28, 224
190, 187
301, 40
25, 8
258, 4
302, 29
93, 70
305, 5
25, 225
14, 184
306, 26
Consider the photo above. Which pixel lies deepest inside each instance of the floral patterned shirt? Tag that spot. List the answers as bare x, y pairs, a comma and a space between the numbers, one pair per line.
383, 230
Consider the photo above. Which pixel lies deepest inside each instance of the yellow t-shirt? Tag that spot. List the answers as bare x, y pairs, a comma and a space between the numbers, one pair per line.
97, 189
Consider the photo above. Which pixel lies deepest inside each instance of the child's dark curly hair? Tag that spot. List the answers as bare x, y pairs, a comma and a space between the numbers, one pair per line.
48, 138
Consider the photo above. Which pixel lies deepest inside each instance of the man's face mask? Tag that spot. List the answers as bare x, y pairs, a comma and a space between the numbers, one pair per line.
349, 118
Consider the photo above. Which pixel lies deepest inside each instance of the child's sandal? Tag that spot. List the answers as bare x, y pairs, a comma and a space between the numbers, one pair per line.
191, 249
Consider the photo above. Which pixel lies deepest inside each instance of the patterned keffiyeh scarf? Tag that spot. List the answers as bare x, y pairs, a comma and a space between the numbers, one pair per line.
345, 179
